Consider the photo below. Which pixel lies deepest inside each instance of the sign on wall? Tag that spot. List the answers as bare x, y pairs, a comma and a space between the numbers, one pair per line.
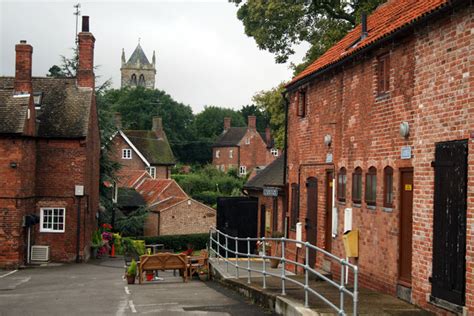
270, 191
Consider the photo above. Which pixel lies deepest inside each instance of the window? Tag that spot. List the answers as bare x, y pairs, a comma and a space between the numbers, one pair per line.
341, 185
371, 186
231, 153
357, 186
301, 102
388, 187
141, 81
218, 153
52, 220
243, 170
383, 74
152, 172
126, 154
295, 196
133, 80
274, 152
247, 141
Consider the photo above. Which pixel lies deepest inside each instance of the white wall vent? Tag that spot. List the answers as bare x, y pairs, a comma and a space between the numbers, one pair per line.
40, 253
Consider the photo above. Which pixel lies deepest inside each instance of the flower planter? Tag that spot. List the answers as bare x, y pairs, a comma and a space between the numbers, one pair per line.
274, 263
94, 252
131, 279
203, 276
150, 276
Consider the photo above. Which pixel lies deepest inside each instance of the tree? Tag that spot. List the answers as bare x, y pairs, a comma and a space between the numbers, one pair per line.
210, 122
263, 120
68, 66
279, 25
271, 102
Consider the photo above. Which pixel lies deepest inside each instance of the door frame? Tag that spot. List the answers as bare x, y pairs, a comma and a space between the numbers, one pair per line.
400, 202
328, 209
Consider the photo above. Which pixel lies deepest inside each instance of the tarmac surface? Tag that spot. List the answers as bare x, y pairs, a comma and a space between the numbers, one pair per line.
98, 288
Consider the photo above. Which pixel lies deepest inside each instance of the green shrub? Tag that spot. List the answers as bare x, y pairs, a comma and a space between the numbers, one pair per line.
179, 242
132, 269
207, 197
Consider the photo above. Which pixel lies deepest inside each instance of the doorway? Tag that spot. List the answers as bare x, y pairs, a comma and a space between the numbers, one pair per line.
312, 217
328, 228
406, 227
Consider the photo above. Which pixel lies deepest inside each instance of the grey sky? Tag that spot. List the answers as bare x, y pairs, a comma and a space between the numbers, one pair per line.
203, 54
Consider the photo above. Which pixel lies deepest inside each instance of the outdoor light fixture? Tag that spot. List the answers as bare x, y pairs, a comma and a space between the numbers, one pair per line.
13, 164
327, 140
404, 129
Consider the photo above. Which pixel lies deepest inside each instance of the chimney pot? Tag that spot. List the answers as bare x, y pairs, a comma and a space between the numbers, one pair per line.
23, 42
227, 121
85, 69
85, 23
364, 25
252, 122
118, 120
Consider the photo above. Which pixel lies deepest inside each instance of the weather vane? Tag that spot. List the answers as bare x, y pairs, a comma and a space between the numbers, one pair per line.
77, 13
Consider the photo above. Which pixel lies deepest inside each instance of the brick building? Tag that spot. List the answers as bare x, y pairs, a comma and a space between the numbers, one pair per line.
387, 116
49, 161
138, 71
143, 150
243, 148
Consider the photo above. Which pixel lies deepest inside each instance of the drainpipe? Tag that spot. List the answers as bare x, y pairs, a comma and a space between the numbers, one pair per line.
78, 242
285, 160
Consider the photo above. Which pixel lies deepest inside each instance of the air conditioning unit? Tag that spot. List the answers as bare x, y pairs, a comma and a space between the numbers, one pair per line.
39, 253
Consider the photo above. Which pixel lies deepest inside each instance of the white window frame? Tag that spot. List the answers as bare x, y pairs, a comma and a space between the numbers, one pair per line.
126, 153
51, 230
274, 152
243, 170
218, 153
247, 140
231, 153
152, 172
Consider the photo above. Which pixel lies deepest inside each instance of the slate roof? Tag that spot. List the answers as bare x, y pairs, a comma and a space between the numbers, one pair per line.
272, 175
64, 113
128, 197
13, 111
384, 21
231, 137
138, 56
155, 149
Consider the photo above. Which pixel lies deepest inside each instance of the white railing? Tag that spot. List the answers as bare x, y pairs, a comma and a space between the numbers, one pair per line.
219, 241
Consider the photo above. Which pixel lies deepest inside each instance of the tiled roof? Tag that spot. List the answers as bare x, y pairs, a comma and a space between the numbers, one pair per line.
231, 137
272, 175
130, 178
156, 190
155, 149
13, 111
65, 109
169, 202
384, 21
138, 56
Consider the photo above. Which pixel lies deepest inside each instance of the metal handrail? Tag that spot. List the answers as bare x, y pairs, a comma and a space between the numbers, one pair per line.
216, 245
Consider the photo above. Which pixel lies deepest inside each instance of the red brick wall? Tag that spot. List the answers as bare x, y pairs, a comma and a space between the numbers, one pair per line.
430, 87
224, 161
152, 222
136, 163
256, 153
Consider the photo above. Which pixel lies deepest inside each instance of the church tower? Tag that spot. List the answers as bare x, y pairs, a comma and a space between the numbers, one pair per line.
138, 71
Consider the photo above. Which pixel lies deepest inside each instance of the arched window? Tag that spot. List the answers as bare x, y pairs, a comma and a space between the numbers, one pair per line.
388, 187
141, 81
357, 185
341, 185
371, 186
133, 80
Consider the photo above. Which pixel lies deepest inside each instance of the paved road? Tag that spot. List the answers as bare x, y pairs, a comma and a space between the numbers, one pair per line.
98, 289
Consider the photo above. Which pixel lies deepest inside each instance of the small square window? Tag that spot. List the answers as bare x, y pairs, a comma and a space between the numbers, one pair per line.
126, 154
152, 172
243, 170
218, 153
52, 220
247, 141
274, 152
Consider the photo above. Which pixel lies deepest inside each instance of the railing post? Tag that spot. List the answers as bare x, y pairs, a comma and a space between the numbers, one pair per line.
248, 260
236, 257
356, 290
218, 248
341, 291
306, 277
264, 263
226, 254
283, 264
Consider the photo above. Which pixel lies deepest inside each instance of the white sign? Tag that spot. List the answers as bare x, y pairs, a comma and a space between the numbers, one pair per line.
406, 152
347, 219
328, 158
299, 234
79, 190
270, 191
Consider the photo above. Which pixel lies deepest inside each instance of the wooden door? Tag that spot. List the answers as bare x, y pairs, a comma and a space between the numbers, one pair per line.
312, 216
328, 229
262, 220
449, 227
406, 224
275, 214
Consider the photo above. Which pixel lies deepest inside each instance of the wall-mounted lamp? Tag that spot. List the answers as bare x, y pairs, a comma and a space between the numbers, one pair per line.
327, 140
13, 164
404, 129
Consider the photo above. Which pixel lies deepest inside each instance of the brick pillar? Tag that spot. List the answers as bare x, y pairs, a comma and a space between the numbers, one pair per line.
23, 64
157, 126
85, 71
252, 122
227, 121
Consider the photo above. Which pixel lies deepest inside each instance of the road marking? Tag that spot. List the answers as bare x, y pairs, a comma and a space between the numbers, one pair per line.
121, 308
7, 274
127, 290
132, 307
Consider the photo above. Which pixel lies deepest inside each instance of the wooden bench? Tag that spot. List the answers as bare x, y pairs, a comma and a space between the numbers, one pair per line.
163, 261
197, 262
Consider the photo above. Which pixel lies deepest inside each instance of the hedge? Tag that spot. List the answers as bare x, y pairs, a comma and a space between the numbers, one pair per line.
179, 242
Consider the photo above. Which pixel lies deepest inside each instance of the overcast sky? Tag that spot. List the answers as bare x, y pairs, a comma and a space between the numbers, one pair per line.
203, 55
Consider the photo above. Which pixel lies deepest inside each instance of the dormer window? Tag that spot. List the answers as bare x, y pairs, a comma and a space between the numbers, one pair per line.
152, 172
274, 152
247, 141
38, 99
126, 153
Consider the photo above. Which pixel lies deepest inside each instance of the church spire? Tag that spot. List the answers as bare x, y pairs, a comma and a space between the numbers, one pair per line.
153, 59
123, 56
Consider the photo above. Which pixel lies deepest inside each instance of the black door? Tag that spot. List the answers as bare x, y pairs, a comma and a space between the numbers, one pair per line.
237, 216
312, 217
263, 212
449, 236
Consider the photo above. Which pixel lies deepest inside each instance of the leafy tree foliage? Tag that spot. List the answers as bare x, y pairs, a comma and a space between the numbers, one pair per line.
279, 25
263, 119
68, 66
210, 122
271, 102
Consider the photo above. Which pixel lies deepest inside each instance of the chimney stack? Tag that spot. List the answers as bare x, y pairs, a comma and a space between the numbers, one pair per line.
227, 121
364, 25
252, 122
268, 136
85, 71
157, 124
118, 120
23, 64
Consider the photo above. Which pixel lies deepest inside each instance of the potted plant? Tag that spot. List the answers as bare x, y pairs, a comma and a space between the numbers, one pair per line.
277, 249
96, 243
132, 272
268, 248
203, 273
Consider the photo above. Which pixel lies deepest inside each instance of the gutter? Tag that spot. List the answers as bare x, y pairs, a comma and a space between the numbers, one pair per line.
449, 5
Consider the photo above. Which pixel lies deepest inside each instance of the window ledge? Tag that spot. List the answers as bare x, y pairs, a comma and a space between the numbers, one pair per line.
371, 207
358, 205
388, 209
342, 203
382, 96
